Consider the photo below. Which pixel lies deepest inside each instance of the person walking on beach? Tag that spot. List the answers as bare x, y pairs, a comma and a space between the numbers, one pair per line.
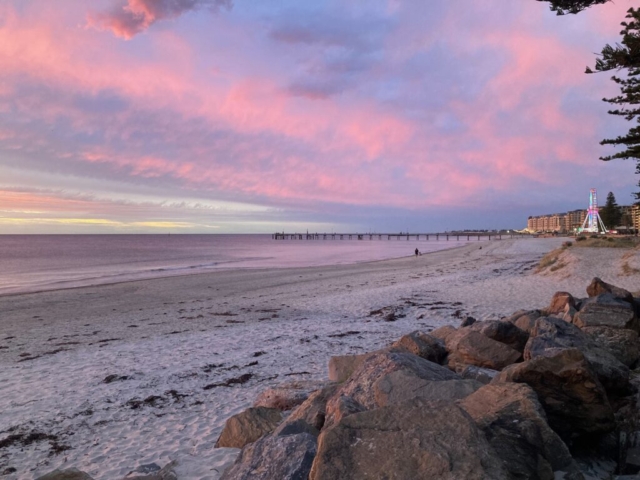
417, 252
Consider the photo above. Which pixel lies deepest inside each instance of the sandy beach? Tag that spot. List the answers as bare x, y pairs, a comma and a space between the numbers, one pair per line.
112, 377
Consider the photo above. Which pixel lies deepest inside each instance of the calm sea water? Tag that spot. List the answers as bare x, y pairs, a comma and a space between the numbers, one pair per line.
43, 262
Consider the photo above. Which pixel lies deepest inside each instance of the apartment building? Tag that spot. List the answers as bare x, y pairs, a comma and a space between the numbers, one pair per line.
571, 221
557, 222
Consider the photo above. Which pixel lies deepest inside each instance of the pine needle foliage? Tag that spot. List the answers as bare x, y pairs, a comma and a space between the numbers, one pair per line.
625, 57
563, 7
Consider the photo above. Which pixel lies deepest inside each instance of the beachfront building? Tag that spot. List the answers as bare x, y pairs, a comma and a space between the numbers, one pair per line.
574, 220
557, 222
570, 221
629, 218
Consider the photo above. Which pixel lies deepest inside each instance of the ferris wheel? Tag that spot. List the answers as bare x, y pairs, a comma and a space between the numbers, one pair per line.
592, 222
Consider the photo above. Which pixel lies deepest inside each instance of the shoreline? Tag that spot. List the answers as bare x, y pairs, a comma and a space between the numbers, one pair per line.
196, 271
167, 339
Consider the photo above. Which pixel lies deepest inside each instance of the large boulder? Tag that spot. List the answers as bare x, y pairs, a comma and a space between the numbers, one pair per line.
622, 343
503, 332
482, 375
443, 333
313, 410
524, 319
559, 303
605, 310
409, 440
551, 334
468, 347
385, 378
285, 457
68, 474
288, 395
423, 345
340, 406
418, 343
598, 287
373, 385
569, 390
515, 424
342, 366
248, 426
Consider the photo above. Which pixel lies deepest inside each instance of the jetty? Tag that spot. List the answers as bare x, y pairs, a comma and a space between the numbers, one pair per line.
464, 236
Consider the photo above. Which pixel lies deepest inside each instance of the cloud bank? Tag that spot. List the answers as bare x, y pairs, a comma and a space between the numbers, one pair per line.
384, 115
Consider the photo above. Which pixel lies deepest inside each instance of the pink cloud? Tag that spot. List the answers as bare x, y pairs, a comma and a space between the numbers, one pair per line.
136, 16
240, 133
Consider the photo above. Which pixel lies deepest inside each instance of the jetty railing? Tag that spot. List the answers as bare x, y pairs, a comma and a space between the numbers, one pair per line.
468, 236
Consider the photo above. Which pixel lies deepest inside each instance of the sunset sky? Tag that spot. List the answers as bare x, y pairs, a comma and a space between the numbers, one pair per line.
231, 116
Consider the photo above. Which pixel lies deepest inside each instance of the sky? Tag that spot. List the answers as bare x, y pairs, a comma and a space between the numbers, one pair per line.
256, 116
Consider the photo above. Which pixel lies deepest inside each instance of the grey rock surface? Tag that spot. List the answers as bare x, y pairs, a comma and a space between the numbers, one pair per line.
605, 310
410, 440
287, 457
469, 347
551, 334
248, 426
515, 424
313, 410
503, 332
288, 395
598, 287
423, 345
569, 390
622, 343
385, 378
482, 375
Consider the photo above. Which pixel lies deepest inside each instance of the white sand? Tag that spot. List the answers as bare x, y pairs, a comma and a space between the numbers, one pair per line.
163, 334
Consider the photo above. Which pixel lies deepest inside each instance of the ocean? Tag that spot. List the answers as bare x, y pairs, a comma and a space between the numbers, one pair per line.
30, 263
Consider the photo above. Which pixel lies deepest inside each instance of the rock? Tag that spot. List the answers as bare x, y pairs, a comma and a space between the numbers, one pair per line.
632, 458
569, 390
443, 333
313, 410
468, 347
551, 334
371, 385
399, 386
287, 457
515, 424
385, 378
410, 440
559, 303
288, 395
482, 375
342, 366
503, 332
295, 427
606, 311
340, 406
68, 474
598, 287
622, 343
166, 473
248, 426
524, 320
569, 314
468, 321
422, 345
